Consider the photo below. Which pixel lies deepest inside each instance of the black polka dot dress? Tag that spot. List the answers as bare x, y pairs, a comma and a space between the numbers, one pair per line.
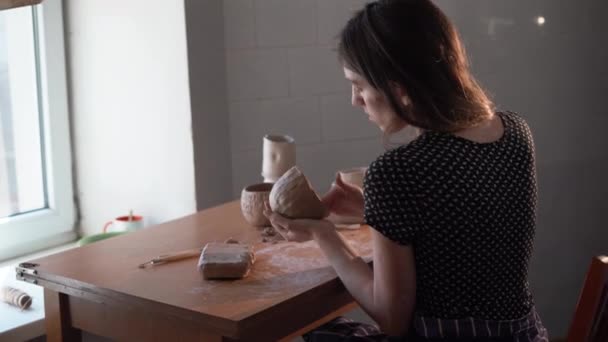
468, 210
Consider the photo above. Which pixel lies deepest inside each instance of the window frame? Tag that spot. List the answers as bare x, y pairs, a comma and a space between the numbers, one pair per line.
55, 225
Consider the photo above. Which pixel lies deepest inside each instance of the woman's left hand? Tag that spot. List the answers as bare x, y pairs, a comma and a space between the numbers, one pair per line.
298, 230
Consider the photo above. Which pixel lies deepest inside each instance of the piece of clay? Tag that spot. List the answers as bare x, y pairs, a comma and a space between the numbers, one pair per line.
269, 231
269, 234
226, 260
292, 196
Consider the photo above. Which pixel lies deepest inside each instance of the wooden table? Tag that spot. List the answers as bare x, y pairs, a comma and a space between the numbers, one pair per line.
98, 288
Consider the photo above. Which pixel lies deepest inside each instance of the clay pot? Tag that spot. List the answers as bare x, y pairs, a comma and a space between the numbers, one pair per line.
252, 203
292, 196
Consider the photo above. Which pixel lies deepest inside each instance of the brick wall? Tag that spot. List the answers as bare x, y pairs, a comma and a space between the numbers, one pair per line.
283, 76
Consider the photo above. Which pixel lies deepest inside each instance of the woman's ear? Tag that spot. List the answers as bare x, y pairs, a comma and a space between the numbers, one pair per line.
401, 94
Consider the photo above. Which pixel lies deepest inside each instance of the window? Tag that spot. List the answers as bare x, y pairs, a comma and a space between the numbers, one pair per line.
36, 201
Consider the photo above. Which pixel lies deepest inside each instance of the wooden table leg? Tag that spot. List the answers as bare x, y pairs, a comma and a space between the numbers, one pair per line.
57, 319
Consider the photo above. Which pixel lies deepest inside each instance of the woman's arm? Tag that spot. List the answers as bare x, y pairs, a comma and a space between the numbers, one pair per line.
387, 293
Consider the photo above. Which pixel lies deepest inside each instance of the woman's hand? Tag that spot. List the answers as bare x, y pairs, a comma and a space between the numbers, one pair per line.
344, 199
298, 230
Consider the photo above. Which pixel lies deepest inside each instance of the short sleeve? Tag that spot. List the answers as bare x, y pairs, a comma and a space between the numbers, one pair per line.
391, 201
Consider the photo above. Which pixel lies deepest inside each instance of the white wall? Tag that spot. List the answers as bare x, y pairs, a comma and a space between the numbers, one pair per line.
130, 109
283, 77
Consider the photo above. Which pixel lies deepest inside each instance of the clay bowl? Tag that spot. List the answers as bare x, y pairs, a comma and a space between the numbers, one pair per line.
252, 203
293, 196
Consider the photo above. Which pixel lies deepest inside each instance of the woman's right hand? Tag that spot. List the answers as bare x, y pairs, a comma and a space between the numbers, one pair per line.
344, 199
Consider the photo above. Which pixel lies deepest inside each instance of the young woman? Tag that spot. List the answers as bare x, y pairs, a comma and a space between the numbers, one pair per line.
452, 213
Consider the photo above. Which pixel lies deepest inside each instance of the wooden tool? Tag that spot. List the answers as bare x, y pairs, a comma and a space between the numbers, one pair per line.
161, 259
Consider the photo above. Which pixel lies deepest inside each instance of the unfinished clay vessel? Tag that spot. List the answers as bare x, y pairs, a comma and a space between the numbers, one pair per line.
292, 196
252, 203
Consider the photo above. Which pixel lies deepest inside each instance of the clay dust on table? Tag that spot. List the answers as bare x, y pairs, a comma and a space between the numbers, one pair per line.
283, 265
294, 257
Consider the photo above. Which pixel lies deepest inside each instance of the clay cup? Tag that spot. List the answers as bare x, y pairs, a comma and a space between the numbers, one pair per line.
354, 176
252, 203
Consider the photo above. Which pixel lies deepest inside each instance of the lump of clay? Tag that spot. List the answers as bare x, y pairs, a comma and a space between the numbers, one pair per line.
292, 196
226, 260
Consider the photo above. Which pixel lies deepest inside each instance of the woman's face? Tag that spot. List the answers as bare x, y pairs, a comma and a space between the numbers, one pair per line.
373, 102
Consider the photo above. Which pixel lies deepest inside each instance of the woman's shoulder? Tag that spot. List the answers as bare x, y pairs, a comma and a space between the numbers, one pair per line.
431, 148
513, 118
517, 126
401, 160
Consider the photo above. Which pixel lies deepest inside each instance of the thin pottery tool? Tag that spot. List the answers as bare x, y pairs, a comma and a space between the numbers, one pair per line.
165, 258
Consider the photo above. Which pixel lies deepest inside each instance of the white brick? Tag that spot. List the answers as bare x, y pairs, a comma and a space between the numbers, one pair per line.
285, 22
239, 23
333, 15
251, 120
254, 74
320, 162
341, 121
315, 70
246, 170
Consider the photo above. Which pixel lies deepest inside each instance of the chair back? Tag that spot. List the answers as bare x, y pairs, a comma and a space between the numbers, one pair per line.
590, 322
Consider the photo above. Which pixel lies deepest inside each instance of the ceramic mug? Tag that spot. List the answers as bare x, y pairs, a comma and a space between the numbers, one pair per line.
353, 176
125, 223
279, 155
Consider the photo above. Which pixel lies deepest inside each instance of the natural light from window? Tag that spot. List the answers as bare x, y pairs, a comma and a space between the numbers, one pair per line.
21, 168
36, 197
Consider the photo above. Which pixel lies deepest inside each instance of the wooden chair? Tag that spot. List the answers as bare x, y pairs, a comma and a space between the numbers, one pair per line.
590, 322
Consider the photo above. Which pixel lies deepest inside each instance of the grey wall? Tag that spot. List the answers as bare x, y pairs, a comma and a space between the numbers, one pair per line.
210, 124
554, 75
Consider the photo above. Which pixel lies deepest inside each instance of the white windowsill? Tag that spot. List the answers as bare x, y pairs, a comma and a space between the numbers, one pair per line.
18, 325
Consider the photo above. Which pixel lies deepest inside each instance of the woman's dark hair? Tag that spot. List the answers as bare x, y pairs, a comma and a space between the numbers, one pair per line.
411, 43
